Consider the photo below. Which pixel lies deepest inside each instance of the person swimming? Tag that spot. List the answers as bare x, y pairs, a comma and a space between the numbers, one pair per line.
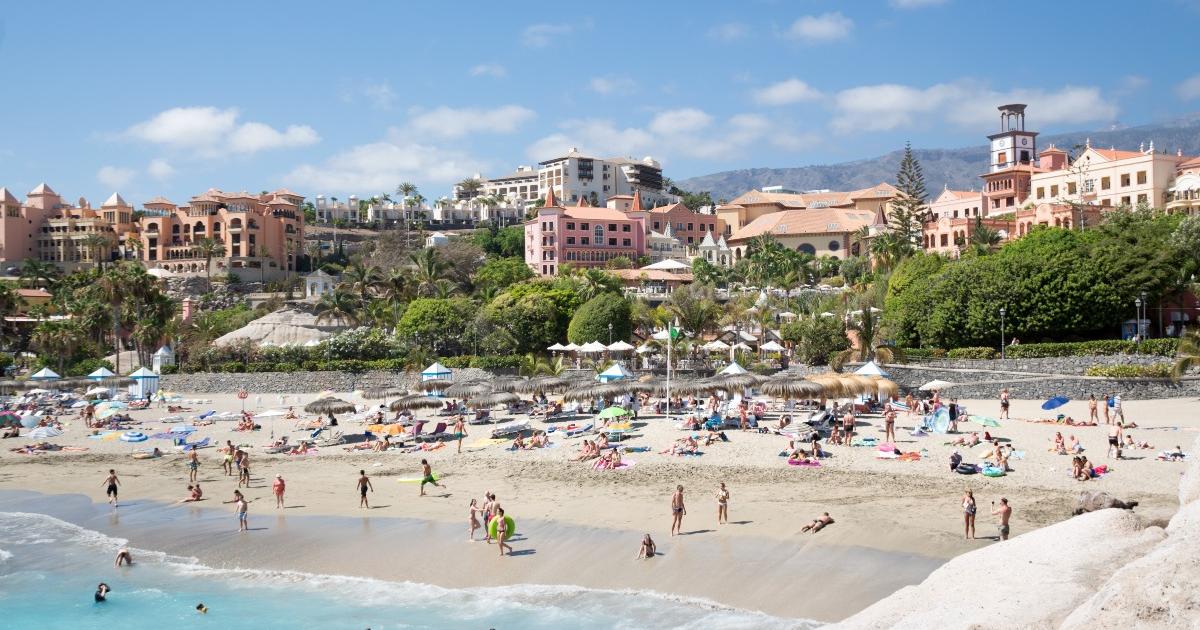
102, 591
201, 608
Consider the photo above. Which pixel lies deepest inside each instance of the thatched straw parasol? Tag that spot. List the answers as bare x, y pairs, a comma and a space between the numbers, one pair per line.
118, 381
505, 383
415, 402
790, 387
468, 389
859, 384
434, 384
586, 391
740, 381
887, 388
379, 393
492, 399
329, 404
831, 385
539, 384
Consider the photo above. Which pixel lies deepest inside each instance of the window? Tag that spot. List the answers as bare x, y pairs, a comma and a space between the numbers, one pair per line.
1142, 198
598, 232
625, 228
612, 242
1125, 200
689, 226
583, 226
1105, 183
807, 249
834, 246
1071, 188
1125, 179
656, 226
1054, 190
570, 240
583, 240
570, 226
1141, 177
612, 227
945, 240
625, 242
1041, 193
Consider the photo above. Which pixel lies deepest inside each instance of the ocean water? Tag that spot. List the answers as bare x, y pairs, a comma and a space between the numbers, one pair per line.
49, 570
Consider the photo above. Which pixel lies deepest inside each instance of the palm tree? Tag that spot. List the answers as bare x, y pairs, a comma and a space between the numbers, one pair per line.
209, 248
469, 188
339, 306
395, 284
314, 256
429, 269
860, 239
444, 289
95, 243
38, 273
361, 278
592, 282
58, 338
695, 307
1188, 355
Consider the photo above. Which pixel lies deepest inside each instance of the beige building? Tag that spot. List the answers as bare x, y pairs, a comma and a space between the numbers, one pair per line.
262, 235
1105, 177
819, 232
49, 229
749, 207
1184, 195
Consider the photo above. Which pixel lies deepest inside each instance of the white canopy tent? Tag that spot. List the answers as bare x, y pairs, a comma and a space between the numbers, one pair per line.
771, 346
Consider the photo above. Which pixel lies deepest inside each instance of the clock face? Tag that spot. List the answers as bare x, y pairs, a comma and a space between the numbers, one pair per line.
1024, 141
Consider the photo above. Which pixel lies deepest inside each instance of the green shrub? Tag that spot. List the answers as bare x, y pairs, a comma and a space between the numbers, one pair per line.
1156, 370
1160, 347
972, 352
232, 367
496, 363
170, 369
86, 366
461, 361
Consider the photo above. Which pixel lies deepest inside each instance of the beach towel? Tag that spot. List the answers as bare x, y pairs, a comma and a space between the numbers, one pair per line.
207, 414
625, 463
792, 462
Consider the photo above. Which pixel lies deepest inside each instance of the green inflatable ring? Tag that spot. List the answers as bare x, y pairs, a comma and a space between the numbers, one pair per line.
993, 472
511, 527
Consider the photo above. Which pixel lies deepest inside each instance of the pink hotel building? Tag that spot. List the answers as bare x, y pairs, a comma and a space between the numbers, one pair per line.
583, 236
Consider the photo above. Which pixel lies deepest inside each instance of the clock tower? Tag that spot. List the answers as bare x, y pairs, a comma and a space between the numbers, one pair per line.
1013, 160
1013, 145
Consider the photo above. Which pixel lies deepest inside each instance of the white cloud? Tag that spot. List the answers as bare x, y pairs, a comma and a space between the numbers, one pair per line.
677, 121
915, 4
966, 104
186, 126
729, 31
821, 28
382, 165
542, 35
786, 92
212, 131
160, 169
115, 177
493, 70
1189, 89
253, 137
448, 122
611, 85
380, 95
685, 132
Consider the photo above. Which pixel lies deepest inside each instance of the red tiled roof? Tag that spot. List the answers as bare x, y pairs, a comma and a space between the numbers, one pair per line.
806, 221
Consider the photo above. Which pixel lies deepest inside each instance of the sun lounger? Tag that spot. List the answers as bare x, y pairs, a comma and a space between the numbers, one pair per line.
333, 440
510, 428
438, 432
195, 445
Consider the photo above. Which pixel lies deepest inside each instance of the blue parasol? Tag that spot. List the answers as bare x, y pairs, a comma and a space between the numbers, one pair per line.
1055, 403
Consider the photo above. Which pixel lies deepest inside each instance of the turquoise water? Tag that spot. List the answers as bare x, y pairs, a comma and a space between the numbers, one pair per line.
49, 570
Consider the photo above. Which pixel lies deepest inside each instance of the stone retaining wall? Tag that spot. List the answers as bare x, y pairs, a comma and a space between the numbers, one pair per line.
1049, 365
985, 384
302, 382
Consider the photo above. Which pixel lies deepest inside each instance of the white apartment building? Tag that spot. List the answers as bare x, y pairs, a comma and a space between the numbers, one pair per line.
375, 212
1105, 177
574, 176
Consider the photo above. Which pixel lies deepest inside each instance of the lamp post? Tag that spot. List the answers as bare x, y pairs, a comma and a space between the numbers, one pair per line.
1137, 324
1002, 352
610, 333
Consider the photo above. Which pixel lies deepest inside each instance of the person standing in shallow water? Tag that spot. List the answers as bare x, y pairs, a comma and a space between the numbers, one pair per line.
1004, 512
678, 510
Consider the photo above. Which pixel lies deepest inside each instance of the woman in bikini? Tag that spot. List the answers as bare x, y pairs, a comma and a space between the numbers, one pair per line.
473, 519
968, 505
722, 504
1004, 404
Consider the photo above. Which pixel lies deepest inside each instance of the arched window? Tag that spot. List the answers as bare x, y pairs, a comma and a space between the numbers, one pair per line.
198, 228
235, 224
598, 233
807, 249
175, 229
834, 245
151, 227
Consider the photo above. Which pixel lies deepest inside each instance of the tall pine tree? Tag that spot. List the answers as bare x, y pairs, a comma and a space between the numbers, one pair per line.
909, 209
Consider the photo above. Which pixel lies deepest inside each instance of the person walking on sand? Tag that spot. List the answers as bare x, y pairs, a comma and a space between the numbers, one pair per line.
1004, 512
364, 484
193, 466
427, 476
1004, 404
1093, 415
242, 506
244, 469
473, 519
227, 461
1118, 409
889, 425
722, 504
460, 431
678, 510
111, 483
278, 487
1115, 436
502, 532
968, 505
1107, 416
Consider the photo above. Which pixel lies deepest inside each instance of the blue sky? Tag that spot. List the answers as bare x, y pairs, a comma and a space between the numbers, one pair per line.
153, 98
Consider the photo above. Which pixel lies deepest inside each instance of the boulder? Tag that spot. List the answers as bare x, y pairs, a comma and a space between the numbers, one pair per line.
1093, 501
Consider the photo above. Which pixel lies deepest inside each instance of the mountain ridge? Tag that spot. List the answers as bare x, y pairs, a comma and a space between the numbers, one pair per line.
954, 168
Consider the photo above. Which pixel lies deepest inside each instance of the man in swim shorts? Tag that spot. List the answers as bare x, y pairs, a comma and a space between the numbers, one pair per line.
1004, 512
102, 591
678, 510
427, 476
364, 484
111, 482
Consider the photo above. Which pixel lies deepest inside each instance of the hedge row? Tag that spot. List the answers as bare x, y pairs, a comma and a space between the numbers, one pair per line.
1165, 347
1157, 370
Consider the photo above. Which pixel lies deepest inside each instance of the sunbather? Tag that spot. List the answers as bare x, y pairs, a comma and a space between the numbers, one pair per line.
968, 440
818, 523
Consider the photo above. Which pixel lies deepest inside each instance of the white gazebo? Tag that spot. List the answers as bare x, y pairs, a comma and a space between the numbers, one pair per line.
162, 357
44, 374
436, 371
871, 368
615, 372
100, 374
318, 283
145, 383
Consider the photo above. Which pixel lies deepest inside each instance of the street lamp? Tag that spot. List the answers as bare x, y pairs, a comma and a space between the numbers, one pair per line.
1137, 323
610, 333
1002, 352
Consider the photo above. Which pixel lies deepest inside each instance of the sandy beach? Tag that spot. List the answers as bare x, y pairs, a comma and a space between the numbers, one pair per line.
896, 521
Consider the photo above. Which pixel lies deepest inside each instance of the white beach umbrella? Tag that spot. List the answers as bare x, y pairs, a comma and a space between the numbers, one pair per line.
787, 315
570, 348
558, 347
772, 346
715, 346
741, 346
936, 384
593, 347
620, 346
644, 348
